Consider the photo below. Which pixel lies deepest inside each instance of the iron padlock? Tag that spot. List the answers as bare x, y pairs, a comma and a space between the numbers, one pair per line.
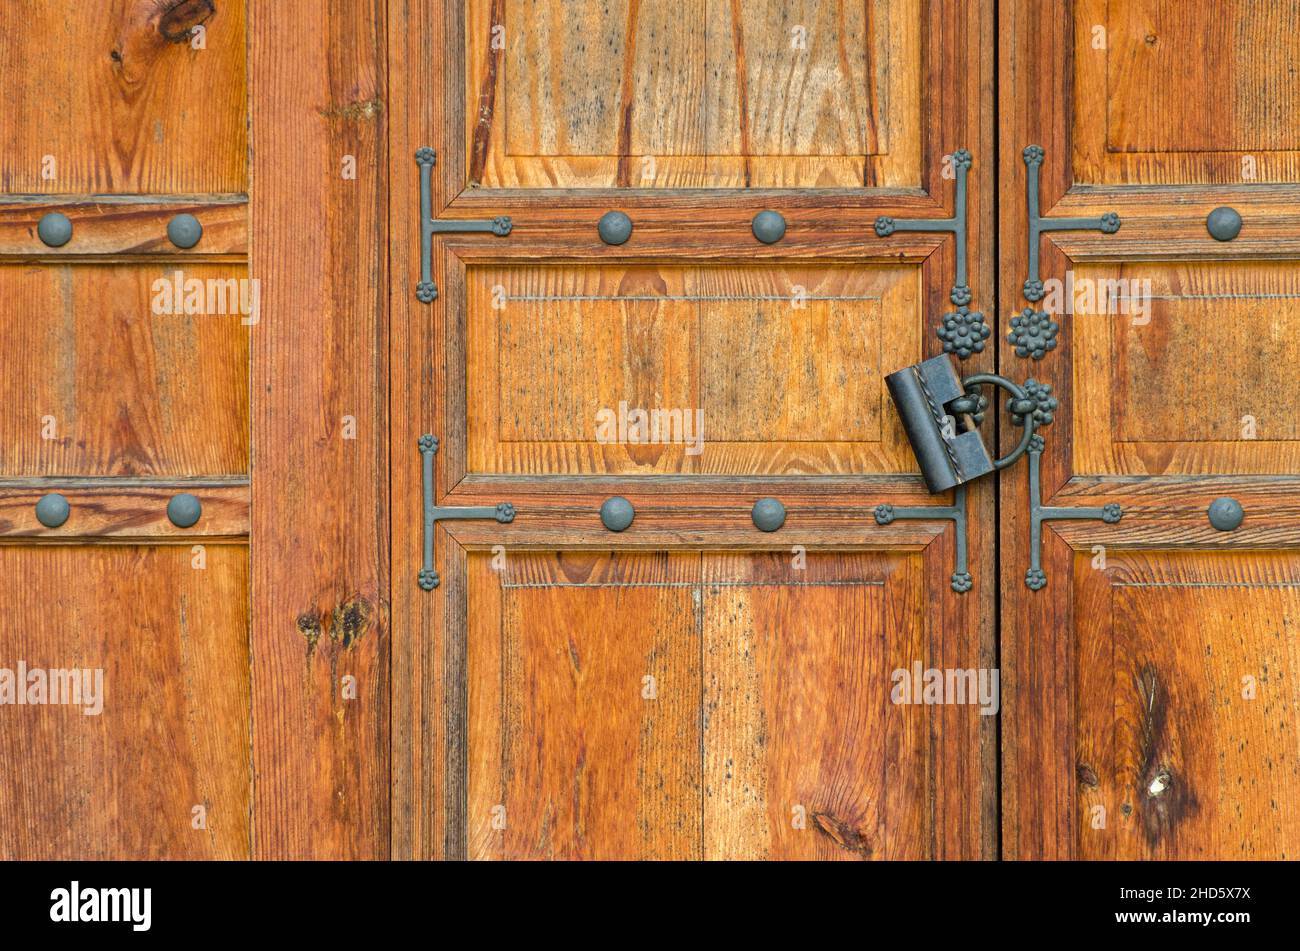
934, 405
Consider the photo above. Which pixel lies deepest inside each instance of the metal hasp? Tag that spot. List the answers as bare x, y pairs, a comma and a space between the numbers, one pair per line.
929, 398
961, 579
963, 331
503, 512
1107, 223
426, 291
1035, 577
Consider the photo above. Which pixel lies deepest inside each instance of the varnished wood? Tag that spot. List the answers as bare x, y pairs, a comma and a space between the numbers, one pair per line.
1162, 154
121, 101
111, 510
448, 367
103, 227
781, 370
1181, 92
661, 94
320, 594
171, 637
108, 387
1184, 730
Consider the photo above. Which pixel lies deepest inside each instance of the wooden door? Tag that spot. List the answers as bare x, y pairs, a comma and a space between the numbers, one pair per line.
691, 686
138, 368
1151, 699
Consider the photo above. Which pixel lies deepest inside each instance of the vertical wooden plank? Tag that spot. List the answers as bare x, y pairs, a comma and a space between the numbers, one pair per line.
416, 106
319, 530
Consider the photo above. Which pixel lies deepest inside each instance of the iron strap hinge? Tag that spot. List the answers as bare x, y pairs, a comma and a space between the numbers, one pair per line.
427, 291
503, 512
1107, 224
963, 331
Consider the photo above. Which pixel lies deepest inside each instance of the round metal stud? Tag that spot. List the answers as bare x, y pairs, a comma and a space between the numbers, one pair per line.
184, 510
768, 515
1224, 224
614, 227
616, 513
1226, 514
55, 229
769, 227
184, 231
52, 510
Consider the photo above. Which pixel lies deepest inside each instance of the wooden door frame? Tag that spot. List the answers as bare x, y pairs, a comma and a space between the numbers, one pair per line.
319, 539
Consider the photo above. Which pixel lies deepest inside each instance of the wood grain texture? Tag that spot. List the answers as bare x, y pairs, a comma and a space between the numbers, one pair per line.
804, 752
1217, 337
1162, 57
173, 734
320, 600
1141, 376
710, 93
127, 105
108, 387
109, 510
1186, 705
770, 734
437, 730
737, 369
106, 227
573, 752
1180, 93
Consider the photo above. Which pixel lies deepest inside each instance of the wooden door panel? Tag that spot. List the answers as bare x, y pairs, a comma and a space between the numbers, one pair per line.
584, 687
725, 369
119, 395
126, 102
110, 386
173, 733
656, 704
1142, 387
805, 756
1187, 701
697, 94
1183, 93
1176, 352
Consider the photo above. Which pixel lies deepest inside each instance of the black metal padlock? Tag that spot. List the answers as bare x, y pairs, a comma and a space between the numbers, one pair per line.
949, 456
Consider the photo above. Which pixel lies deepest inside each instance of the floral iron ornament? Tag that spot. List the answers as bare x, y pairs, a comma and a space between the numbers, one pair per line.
963, 331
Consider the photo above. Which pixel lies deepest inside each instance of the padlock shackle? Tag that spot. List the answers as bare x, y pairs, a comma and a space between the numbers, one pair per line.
1017, 393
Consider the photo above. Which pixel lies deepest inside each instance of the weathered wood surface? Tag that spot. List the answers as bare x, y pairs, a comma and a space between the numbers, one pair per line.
320, 593
1130, 660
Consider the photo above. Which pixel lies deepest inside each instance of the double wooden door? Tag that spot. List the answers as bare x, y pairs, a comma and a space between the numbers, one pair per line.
595, 533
